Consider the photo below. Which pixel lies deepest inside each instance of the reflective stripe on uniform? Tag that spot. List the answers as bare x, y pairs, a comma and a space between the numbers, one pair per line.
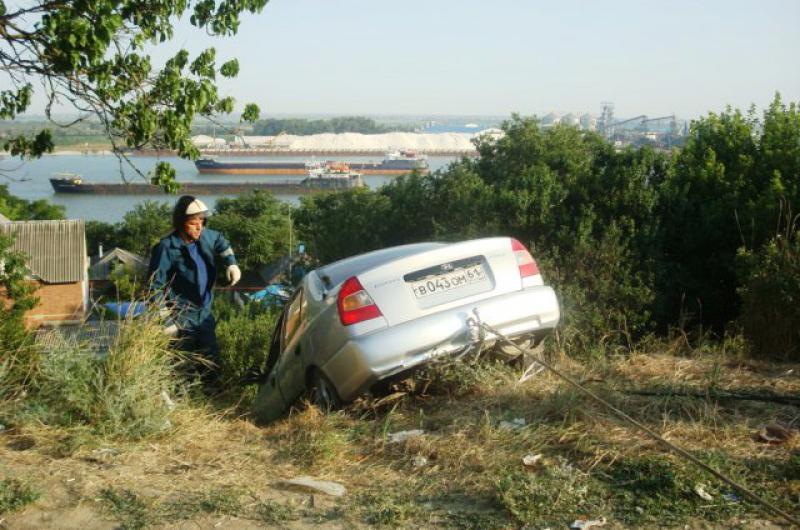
227, 252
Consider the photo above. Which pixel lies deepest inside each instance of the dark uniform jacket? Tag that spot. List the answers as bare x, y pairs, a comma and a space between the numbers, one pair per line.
173, 274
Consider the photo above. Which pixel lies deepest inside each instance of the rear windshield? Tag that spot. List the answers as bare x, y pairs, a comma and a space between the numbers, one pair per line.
339, 271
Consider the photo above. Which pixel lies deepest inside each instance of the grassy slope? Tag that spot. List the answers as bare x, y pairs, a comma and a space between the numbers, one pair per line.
216, 467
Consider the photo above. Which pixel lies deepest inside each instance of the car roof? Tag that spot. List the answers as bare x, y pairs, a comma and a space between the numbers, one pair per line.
339, 271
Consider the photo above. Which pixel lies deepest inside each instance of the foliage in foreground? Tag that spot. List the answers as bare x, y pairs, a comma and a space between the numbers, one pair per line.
18, 297
94, 57
116, 391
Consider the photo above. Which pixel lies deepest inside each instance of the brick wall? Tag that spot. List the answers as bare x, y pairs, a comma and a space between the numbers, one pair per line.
57, 302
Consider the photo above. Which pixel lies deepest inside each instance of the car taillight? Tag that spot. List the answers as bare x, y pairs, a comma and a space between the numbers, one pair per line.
527, 265
354, 304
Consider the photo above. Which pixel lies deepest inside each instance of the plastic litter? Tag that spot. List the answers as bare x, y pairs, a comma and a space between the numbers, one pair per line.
419, 461
402, 436
731, 497
167, 400
513, 425
700, 490
532, 460
584, 524
334, 489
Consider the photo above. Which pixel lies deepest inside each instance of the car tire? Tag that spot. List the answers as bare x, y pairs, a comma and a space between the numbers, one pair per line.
323, 393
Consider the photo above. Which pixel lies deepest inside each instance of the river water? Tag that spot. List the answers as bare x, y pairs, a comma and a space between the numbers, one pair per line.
30, 180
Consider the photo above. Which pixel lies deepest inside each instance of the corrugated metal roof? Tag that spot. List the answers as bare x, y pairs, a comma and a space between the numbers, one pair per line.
101, 268
56, 250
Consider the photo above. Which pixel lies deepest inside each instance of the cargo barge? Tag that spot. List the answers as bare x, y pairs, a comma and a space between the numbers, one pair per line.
396, 163
314, 183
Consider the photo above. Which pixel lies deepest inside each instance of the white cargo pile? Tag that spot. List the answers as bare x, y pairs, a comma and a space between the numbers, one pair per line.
207, 142
355, 142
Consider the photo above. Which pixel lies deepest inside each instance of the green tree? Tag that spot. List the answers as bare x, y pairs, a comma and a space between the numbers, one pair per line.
100, 233
586, 212
338, 225
142, 227
18, 209
93, 57
257, 226
725, 191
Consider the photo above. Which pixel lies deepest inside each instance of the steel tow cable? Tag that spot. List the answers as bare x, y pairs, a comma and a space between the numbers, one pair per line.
681, 452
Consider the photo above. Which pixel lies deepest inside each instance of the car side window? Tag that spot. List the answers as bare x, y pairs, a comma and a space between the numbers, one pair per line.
294, 316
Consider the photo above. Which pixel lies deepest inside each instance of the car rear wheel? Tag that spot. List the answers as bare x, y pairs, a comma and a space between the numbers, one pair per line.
323, 393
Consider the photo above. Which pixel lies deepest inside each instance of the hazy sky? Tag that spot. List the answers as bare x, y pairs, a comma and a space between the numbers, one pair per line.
502, 56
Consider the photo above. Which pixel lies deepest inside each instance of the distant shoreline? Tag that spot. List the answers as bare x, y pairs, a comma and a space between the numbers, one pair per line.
63, 151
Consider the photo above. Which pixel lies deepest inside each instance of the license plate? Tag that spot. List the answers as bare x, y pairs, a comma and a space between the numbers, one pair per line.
449, 281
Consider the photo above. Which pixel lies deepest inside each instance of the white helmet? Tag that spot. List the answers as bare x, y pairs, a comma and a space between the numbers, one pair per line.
187, 206
195, 207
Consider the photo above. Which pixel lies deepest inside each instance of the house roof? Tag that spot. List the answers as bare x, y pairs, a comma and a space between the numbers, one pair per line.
101, 267
56, 250
4, 219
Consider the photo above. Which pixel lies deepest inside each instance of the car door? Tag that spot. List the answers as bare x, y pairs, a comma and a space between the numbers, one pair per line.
291, 365
270, 403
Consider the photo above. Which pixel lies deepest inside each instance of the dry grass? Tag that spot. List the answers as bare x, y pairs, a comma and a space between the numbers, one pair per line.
222, 467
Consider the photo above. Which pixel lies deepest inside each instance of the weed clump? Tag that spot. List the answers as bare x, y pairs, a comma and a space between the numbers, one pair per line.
14, 494
128, 508
272, 512
312, 438
551, 497
387, 508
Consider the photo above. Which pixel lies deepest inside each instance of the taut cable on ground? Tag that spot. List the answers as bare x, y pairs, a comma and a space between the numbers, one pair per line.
672, 447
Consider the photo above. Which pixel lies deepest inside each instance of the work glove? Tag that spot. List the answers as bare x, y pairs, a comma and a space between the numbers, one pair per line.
234, 274
171, 331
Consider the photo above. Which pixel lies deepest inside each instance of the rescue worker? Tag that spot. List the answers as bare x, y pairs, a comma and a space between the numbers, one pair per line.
183, 271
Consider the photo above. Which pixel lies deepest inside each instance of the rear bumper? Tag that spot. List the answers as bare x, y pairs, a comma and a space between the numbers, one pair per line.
367, 359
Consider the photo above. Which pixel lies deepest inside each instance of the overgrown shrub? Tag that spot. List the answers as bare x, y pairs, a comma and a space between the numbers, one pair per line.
122, 392
244, 337
771, 297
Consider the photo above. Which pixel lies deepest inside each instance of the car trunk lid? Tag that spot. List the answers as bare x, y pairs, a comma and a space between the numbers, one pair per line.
434, 280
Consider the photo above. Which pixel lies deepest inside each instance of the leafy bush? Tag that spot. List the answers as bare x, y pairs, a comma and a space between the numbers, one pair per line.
16, 298
771, 297
244, 339
128, 281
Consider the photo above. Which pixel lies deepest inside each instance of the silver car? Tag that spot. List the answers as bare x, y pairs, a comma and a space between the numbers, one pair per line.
361, 320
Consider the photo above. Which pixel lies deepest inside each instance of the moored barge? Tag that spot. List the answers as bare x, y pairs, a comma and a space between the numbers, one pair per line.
314, 183
395, 163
